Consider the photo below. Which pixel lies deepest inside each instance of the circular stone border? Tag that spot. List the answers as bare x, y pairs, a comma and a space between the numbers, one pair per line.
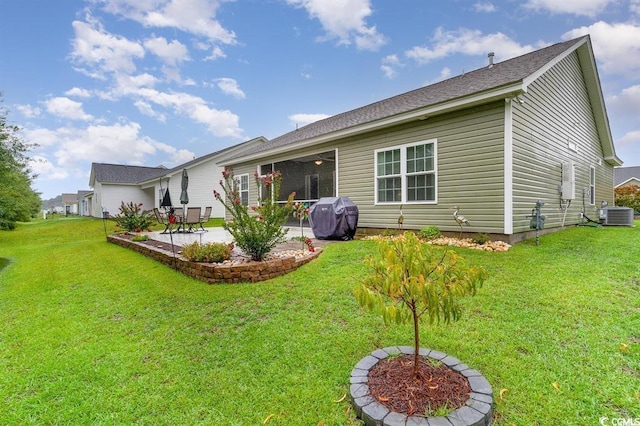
477, 411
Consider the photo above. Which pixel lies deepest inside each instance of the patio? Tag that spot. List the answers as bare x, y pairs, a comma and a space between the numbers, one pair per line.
219, 235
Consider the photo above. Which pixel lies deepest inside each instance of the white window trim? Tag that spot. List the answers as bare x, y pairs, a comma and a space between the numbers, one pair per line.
403, 172
239, 183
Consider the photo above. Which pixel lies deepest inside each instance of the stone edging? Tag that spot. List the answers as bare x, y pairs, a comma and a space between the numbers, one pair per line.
478, 411
219, 273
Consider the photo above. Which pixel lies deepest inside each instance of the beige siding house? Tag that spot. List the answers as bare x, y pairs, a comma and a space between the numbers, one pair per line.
492, 142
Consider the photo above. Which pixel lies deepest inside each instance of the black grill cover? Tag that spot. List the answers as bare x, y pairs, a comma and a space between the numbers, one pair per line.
334, 218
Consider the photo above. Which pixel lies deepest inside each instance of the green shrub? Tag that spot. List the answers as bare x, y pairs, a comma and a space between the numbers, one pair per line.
132, 218
480, 239
210, 252
430, 233
7, 225
389, 233
140, 237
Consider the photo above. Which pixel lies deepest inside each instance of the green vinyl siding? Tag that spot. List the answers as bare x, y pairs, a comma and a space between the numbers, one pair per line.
469, 171
556, 125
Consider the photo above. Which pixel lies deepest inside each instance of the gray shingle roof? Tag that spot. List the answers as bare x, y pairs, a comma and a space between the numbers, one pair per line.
623, 174
118, 173
478, 81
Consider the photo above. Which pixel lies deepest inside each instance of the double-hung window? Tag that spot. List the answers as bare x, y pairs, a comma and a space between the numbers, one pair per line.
406, 173
243, 188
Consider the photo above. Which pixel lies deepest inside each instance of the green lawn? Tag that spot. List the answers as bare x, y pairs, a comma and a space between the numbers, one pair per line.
96, 334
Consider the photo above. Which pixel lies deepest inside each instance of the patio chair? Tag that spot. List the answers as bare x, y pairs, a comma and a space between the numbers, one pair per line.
163, 220
205, 217
192, 218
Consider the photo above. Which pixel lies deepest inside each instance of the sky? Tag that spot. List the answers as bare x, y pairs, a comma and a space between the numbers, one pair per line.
160, 82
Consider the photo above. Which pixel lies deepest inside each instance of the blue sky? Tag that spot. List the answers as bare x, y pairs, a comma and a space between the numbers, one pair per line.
151, 82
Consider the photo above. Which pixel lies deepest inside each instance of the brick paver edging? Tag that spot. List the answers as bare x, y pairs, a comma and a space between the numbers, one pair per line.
251, 271
478, 411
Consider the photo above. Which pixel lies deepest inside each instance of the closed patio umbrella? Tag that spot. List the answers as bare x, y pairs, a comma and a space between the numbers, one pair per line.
184, 196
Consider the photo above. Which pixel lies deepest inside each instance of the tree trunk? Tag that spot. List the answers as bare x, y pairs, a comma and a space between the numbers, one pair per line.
416, 341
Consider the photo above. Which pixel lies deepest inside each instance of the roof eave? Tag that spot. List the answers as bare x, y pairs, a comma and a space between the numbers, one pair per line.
592, 80
503, 92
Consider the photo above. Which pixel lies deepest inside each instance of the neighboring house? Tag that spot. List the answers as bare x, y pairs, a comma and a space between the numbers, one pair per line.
70, 203
204, 174
83, 204
626, 176
492, 142
113, 183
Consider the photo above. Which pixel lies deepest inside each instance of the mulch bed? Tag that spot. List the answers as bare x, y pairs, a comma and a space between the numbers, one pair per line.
392, 384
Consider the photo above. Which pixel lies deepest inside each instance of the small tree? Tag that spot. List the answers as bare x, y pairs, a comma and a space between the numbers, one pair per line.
257, 232
411, 280
628, 196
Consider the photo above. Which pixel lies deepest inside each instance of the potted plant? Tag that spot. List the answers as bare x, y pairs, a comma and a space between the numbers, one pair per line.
413, 282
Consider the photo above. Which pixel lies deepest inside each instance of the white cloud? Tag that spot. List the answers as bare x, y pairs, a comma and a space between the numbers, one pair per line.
445, 73
615, 46
229, 86
574, 7
216, 53
66, 108
630, 138
634, 7
486, 7
41, 136
78, 92
304, 119
389, 66
171, 53
195, 17
117, 143
344, 20
627, 102
41, 166
181, 156
221, 123
468, 42
147, 109
101, 52
28, 111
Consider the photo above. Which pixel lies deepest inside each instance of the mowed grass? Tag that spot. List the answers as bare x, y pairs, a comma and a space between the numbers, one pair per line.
96, 334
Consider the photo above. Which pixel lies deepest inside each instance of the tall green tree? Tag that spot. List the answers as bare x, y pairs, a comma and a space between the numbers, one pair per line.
18, 200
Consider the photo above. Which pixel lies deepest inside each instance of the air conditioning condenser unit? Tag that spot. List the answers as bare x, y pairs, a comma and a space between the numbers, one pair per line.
618, 216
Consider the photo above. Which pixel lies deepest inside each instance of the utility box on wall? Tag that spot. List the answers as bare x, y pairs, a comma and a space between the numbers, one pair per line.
568, 187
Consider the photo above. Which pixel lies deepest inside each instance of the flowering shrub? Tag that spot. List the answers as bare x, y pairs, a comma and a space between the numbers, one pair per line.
258, 231
211, 252
132, 218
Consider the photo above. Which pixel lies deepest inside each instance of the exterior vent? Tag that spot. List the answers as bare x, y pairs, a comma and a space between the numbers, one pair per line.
618, 216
